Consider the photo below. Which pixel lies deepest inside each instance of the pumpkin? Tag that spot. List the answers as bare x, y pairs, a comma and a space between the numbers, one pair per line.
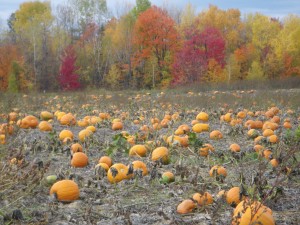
235, 148
45, 115
65, 134
185, 128
258, 148
205, 150
76, 147
139, 165
274, 162
91, 128
174, 140
117, 173
68, 120
217, 171
199, 127
117, 126
65, 190
107, 160
241, 114
252, 133
287, 125
29, 122
45, 126
186, 206
59, 115
273, 139
270, 125
84, 134
160, 153
104, 116
252, 213
227, 117
103, 165
234, 196
82, 123
79, 159
203, 199
202, 116
268, 132
139, 150
2, 139
167, 177
221, 194
215, 135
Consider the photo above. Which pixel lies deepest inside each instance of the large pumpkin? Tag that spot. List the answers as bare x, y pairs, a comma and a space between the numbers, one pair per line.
252, 213
65, 190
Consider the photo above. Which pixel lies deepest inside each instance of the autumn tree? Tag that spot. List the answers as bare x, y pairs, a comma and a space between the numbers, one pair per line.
202, 55
31, 25
69, 79
155, 35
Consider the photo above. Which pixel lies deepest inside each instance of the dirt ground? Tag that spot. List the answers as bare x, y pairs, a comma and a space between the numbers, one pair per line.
24, 191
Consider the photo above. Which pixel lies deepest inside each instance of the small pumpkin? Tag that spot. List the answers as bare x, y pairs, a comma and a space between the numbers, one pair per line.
202, 116
117, 125
79, 159
65, 134
205, 150
107, 160
84, 134
160, 153
68, 119
45, 115
139, 165
235, 147
218, 171
215, 135
203, 199
139, 150
167, 177
117, 173
76, 147
45, 126
65, 190
234, 196
186, 206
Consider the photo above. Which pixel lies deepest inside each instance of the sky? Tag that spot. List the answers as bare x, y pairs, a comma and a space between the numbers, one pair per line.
274, 8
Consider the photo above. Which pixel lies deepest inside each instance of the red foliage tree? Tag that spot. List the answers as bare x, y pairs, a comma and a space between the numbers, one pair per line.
191, 61
68, 78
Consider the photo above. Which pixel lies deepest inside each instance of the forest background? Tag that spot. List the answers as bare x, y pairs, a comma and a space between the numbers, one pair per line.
80, 45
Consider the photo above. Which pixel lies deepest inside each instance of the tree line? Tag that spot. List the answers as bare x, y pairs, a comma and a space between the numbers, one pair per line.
80, 45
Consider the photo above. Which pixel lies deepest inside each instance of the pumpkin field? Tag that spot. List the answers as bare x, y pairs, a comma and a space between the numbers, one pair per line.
150, 157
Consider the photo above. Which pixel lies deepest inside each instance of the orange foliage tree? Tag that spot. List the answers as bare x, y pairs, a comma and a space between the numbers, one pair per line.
8, 54
156, 40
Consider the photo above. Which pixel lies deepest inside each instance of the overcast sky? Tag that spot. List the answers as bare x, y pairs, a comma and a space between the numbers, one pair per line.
274, 8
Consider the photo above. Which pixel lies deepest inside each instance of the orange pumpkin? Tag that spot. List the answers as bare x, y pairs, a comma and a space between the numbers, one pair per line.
215, 135
79, 159
205, 150
160, 153
139, 150
65, 190
65, 134
218, 171
45, 126
107, 160
234, 196
117, 125
252, 213
68, 120
76, 147
203, 199
186, 206
117, 173
139, 165
84, 134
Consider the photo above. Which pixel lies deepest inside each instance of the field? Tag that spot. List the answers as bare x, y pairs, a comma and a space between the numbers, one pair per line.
30, 155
